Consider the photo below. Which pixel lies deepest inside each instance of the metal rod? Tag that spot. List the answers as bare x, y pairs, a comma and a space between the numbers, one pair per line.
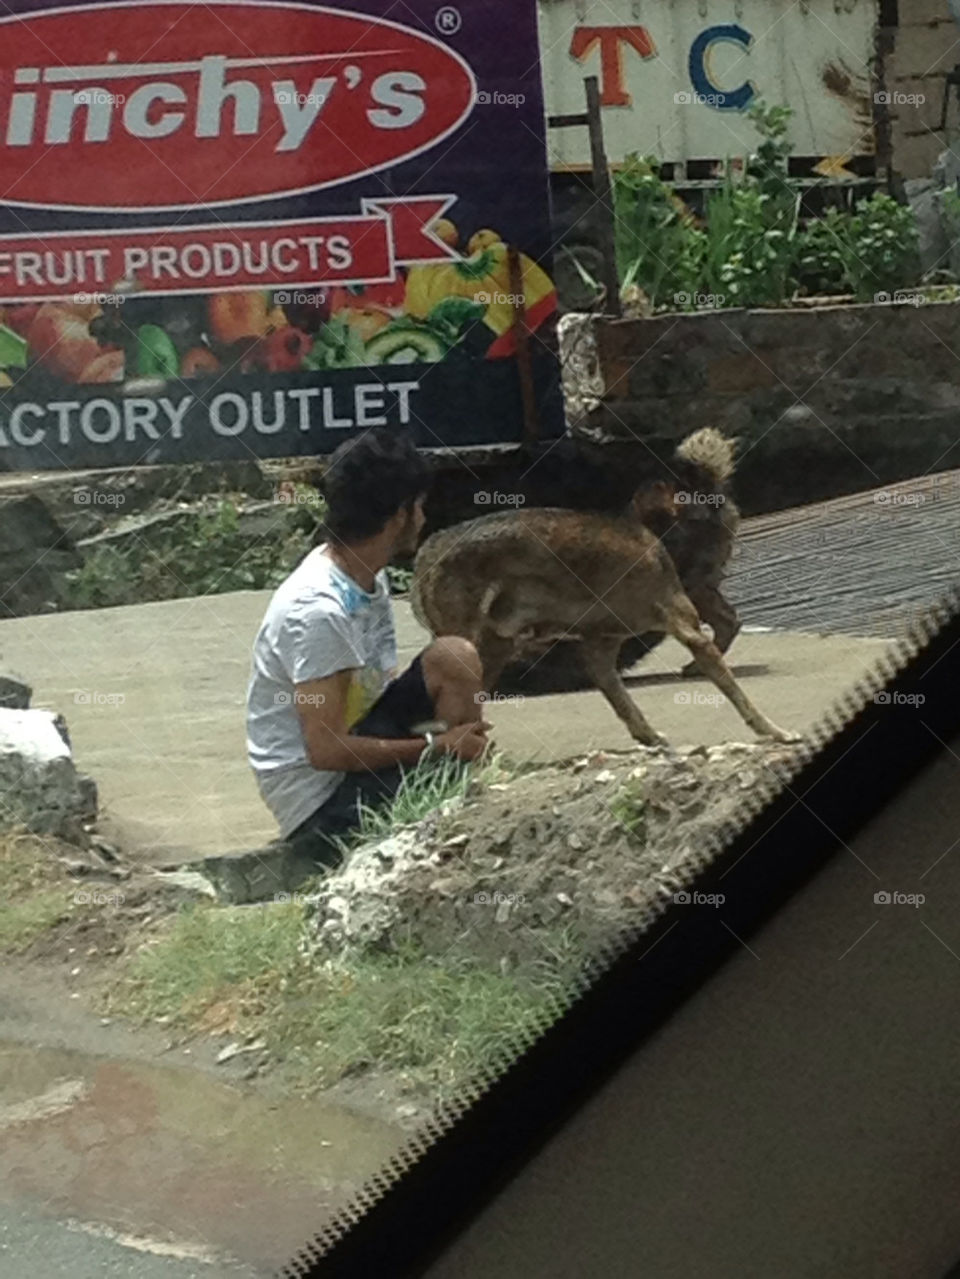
604, 194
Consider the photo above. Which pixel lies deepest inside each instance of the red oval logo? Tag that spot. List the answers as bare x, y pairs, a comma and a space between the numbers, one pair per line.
136, 106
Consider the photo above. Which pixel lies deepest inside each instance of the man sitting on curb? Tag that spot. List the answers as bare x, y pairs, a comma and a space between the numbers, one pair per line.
330, 726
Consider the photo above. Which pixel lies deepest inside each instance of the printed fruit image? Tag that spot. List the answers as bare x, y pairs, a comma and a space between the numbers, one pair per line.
407, 342
60, 339
199, 361
282, 351
484, 278
362, 297
156, 355
109, 366
19, 318
366, 323
232, 316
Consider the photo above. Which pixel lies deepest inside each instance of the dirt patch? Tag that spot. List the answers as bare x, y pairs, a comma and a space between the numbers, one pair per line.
551, 866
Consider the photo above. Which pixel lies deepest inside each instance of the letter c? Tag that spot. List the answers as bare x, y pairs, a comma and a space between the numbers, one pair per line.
727, 99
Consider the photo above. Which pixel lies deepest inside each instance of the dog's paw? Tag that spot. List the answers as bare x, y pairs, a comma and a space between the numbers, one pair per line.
783, 736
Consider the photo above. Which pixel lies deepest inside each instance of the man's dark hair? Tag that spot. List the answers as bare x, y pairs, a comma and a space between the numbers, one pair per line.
369, 479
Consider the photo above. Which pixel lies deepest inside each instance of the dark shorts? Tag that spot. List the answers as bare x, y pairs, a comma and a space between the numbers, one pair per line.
403, 704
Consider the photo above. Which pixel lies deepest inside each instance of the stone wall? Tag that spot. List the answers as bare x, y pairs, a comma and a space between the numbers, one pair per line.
826, 400
920, 51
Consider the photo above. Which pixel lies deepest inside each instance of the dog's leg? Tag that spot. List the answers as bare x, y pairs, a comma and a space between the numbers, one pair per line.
719, 614
684, 624
495, 652
599, 660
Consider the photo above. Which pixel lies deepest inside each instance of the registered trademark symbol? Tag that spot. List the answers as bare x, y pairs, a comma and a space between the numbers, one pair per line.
448, 20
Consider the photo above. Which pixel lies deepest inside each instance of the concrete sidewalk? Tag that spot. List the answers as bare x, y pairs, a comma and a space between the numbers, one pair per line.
170, 758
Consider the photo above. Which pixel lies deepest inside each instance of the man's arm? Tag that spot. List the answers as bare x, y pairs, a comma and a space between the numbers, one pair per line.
322, 709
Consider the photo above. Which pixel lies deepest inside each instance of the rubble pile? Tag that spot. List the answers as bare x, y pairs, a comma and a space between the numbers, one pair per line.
579, 851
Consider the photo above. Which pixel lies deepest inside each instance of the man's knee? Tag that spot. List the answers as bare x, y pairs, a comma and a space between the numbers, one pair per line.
452, 657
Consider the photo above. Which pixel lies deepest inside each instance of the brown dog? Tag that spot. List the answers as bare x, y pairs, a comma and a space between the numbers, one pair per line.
686, 502
516, 583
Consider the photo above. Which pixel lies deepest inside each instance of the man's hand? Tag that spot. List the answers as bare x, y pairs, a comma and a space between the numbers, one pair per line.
466, 741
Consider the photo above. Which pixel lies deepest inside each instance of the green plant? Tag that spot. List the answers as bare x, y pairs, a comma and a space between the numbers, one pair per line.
878, 245
819, 268
207, 552
658, 245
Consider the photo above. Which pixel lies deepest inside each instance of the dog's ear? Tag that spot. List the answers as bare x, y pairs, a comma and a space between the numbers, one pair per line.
655, 501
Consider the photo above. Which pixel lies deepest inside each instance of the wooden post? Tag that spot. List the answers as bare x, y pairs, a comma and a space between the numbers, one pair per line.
521, 334
604, 193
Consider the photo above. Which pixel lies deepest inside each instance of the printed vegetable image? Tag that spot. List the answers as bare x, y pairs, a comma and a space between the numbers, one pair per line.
407, 342
13, 349
109, 366
484, 277
233, 316
282, 351
198, 362
337, 346
156, 354
59, 339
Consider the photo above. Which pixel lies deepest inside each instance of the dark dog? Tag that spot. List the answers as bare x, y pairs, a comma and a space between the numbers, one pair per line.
516, 583
686, 503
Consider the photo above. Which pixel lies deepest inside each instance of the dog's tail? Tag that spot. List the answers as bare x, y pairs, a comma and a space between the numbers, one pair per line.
711, 450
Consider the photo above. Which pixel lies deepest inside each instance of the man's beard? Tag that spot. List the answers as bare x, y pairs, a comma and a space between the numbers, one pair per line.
407, 540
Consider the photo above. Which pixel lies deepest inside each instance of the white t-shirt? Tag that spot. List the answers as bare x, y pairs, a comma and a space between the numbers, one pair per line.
318, 622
